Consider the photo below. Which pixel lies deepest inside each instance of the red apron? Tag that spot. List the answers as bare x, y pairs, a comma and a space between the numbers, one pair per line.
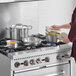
72, 34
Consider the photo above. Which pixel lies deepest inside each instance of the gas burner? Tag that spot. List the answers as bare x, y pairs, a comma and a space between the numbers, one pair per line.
25, 47
33, 47
60, 43
49, 44
10, 50
30, 47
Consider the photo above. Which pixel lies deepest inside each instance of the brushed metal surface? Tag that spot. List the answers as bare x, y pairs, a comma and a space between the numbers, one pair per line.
61, 70
18, 13
10, 1
5, 66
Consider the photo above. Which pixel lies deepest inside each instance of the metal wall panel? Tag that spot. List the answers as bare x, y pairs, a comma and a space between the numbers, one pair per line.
14, 13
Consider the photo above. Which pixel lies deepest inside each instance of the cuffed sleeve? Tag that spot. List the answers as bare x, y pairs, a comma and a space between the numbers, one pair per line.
70, 23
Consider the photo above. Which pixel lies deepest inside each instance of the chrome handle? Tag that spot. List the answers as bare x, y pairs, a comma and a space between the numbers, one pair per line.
29, 27
56, 74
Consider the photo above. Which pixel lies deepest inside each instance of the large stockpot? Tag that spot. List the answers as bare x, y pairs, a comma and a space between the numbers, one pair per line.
52, 36
19, 31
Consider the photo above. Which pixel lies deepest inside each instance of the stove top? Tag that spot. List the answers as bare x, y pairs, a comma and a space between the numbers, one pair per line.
22, 46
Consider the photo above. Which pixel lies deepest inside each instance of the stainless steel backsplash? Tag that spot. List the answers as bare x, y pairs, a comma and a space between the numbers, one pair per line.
14, 13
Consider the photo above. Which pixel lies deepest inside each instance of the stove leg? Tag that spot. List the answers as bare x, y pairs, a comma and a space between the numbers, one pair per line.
73, 67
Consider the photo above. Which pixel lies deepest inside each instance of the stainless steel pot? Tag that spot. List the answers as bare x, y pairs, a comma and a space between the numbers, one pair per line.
12, 44
19, 31
52, 36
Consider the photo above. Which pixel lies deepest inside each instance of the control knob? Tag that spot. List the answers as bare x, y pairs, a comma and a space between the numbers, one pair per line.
59, 57
32, 62
26, 63
38, 61
67, 56
17, 64
47, 59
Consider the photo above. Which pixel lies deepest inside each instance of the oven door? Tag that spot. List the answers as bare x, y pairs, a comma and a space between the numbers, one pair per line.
60, 70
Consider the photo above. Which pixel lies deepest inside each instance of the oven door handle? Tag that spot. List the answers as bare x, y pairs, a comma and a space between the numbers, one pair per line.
56, 74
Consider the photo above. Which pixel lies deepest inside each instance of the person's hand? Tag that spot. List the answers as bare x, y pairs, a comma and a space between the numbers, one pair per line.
64, 37
66, 40
55, 27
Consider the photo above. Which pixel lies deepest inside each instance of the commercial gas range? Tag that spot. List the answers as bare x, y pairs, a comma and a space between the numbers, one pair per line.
49, 60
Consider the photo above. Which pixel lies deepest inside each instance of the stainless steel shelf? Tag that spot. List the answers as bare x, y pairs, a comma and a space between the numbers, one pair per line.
13, 1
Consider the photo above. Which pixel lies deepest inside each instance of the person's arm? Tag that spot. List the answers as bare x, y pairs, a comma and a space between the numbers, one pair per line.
65, 26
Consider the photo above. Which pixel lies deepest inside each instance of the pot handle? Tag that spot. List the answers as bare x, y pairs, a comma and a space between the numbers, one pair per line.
7, 28
29, 27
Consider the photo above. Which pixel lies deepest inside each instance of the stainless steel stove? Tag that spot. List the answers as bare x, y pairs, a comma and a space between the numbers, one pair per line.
47, 60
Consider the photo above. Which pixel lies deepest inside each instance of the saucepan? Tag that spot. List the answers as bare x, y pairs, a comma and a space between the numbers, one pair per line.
52, 36
12, 43
55, 36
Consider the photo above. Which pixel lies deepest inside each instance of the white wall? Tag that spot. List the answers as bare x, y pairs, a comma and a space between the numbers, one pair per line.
29, 15
14, 13
9, 14
38, 14
55, 12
